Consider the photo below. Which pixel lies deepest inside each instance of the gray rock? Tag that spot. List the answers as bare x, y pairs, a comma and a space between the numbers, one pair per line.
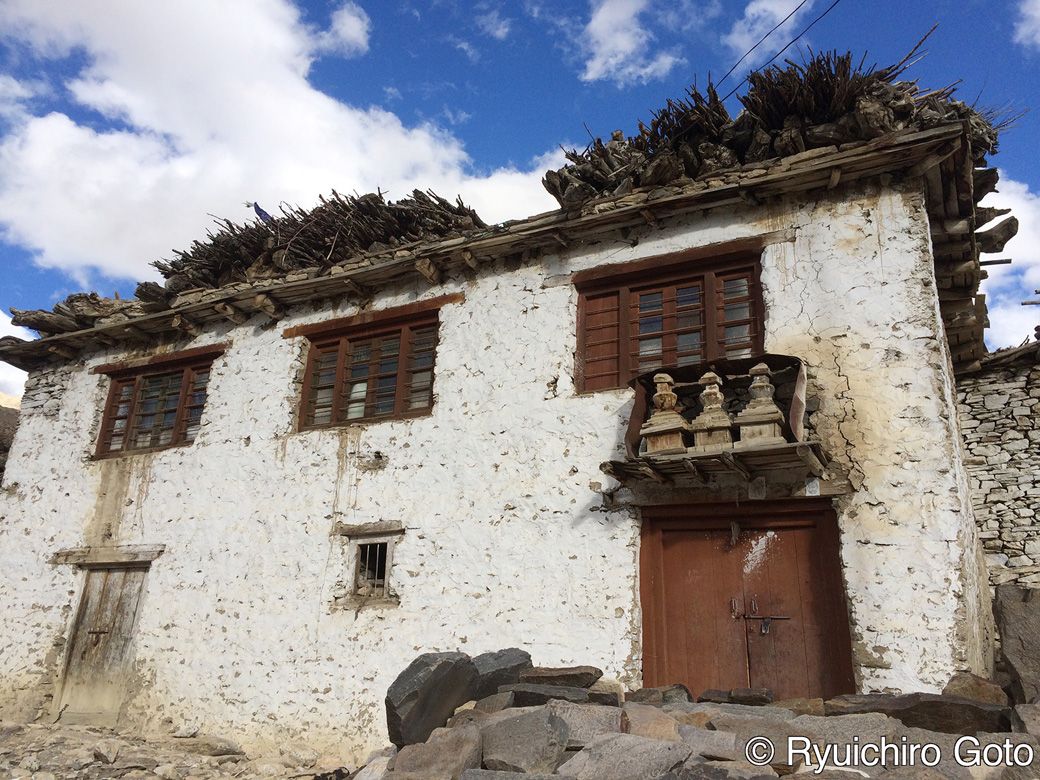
426, 694
966, 685
606, 698
444, 756
491, 774
587, 721
529, 695
753, 696
667, 694
739, 710
495, 702
528, 742
714, 696
500, 668
1026, 719
646, 720
931, 711
208, 746
571, 676
1017, 612
711, 744
625, 757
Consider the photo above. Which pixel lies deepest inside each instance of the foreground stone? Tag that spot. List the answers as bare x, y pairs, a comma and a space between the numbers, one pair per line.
965, 685
572, 676
492, 774
651, 722
503, 667
426, 694
667, 694
445, 756
1017, 611
585, 722
930, 711
529, 695
625, 757
531, 742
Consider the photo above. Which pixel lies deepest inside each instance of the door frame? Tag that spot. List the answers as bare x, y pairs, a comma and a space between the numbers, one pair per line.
757, 515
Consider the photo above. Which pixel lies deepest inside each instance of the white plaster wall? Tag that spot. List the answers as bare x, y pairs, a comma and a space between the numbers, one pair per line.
509, 539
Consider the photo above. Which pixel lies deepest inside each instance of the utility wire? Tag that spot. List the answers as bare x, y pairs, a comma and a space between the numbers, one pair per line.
788, 46
762, 40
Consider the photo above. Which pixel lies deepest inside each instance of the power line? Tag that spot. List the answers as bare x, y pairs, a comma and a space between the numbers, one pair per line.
788, 46
762, 40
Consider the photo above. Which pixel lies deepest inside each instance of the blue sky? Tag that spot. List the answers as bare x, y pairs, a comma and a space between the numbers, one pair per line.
123, 126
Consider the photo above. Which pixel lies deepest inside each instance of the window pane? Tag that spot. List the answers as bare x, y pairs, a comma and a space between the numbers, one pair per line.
649, 347
651, 324
735, 288
689, 319
689, 342
736, 334
650, 302
737, 311
688, 296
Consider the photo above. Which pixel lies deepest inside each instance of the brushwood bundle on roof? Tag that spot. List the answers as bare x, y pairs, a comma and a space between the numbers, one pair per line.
827, 100
338, 228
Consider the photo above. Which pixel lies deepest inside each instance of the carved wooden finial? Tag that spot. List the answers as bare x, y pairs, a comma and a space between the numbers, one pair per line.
711, 428
663, 432
761, 420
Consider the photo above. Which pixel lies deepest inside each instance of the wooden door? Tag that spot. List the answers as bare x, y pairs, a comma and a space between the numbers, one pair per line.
745, 596
99, 655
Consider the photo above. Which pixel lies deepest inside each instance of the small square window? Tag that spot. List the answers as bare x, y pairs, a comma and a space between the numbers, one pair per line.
367, 578
370, 581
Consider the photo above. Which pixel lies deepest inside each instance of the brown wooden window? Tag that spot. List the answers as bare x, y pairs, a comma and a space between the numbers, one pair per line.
370, 372
155, 405
643, 318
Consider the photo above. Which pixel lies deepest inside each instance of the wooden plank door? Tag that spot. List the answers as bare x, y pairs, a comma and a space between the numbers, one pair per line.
99, 655
737, 596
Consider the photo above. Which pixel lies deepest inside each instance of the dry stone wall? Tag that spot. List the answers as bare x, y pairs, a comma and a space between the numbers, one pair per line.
511, 534
1000, 419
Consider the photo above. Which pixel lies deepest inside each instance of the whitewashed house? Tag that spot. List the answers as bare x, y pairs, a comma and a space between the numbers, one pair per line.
248, 504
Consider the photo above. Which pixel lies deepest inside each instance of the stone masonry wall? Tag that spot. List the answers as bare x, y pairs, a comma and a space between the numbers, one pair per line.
512, 535
1000, 420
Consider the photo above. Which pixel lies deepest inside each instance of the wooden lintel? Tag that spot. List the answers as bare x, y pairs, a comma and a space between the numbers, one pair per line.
934, 159
733, 463
181, 322
808, 457
269, 306
134, 332
834, 179
1003, 261
429, 270
118, 555
560, 238
229, 312
470, 260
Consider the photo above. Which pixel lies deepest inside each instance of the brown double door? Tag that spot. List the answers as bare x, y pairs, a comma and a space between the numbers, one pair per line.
745, 595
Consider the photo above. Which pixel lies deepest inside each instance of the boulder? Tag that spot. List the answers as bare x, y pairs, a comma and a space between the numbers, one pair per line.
712, 709
529, 742
376, 769
493, 774
802, 706
965, 685
444, 756
571, 676
585, 722
625, 757
426, 694
499, 668
667, 694
646, 720
931, 711
607, 691
752, 696
529, 695
720, 745
1017, 611
209, 746
715, 696
1025, 719
495, 702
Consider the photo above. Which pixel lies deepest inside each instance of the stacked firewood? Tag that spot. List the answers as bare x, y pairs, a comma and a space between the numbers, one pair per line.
825, 101
339, 228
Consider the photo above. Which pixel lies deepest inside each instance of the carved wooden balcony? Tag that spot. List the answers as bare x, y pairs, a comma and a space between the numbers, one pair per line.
743, 417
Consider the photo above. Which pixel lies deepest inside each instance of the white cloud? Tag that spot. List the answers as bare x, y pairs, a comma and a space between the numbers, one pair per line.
467, 48
617, 46
761, 16
1027, 27
12, 380
1009, 285
348, 31
493, 24
225, 116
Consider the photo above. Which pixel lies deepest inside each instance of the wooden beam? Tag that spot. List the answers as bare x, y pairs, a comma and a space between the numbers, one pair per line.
696, 471
1003, 261
648, 215
63, 350
649, 472
429, 269
614, 469
136, 333
559, 238
731, 462
269, 306
470, 260
835, 177
229, 312
808, 457
181, 322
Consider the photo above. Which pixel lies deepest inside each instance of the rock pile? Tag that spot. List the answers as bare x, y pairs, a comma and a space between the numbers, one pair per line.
569, 722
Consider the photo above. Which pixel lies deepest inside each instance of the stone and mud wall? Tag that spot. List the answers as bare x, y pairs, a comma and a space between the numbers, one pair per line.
512, 534
1000, 421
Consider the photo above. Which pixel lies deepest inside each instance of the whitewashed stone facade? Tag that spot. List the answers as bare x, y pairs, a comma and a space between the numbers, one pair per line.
512, 536
1000, 418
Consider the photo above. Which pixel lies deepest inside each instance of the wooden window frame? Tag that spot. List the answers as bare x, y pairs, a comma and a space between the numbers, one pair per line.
629, 279
134, 373
337, 334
